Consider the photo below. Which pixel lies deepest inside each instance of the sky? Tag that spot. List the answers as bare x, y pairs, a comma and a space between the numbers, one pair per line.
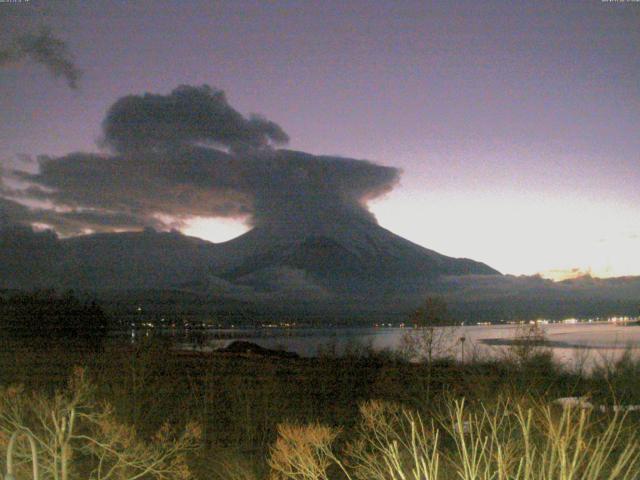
513, 126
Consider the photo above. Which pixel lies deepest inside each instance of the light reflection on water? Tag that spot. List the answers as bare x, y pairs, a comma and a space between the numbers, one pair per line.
583, 342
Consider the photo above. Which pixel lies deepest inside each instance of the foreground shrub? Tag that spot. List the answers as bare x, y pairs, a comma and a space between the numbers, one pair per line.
77, 438
302, 452
508, 440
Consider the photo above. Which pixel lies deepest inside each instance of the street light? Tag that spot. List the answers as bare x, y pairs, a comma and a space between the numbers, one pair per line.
34, 454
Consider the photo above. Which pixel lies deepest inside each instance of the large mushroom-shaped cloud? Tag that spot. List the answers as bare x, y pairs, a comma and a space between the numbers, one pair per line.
189, 154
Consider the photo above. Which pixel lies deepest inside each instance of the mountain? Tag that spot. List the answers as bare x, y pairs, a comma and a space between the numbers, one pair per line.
359, 249
134, 260
326, 254
353, 270
101, 261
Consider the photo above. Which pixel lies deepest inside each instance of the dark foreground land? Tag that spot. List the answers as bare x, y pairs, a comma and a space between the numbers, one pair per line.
238, 400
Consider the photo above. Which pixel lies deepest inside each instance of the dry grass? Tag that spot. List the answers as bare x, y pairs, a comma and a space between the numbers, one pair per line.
76, 437
509, 440
302, 452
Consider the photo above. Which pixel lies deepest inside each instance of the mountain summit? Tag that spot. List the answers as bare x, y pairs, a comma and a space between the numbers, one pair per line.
347, 247
357, 251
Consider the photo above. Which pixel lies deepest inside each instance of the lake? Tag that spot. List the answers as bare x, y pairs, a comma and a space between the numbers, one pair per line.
571, 344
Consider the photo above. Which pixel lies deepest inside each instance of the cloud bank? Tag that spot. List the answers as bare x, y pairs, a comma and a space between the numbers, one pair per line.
45, 49
189, 153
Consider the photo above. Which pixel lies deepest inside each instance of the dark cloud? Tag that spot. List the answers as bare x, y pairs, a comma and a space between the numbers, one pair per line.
300, 189
12, 213
142, 187
43, 48
163, 175
71, 222
68, 223
278, 188
187, 115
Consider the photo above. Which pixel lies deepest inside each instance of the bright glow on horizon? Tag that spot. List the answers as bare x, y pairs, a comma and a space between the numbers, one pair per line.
522, 235
556, 238
216, 230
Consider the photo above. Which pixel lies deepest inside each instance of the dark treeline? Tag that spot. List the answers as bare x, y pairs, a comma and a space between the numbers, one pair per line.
46, 316
181, 306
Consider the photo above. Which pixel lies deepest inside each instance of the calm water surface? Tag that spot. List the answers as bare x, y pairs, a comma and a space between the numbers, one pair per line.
571, 344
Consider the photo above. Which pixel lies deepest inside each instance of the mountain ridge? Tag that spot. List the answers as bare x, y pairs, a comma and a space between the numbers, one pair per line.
153, 259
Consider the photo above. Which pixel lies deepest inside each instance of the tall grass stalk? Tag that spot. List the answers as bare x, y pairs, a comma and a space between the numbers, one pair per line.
507, 440
77, 437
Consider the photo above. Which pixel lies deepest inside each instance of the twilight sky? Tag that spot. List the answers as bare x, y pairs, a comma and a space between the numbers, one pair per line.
515, 124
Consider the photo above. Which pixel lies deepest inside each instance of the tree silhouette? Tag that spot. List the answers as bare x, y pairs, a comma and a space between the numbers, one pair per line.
432, 335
